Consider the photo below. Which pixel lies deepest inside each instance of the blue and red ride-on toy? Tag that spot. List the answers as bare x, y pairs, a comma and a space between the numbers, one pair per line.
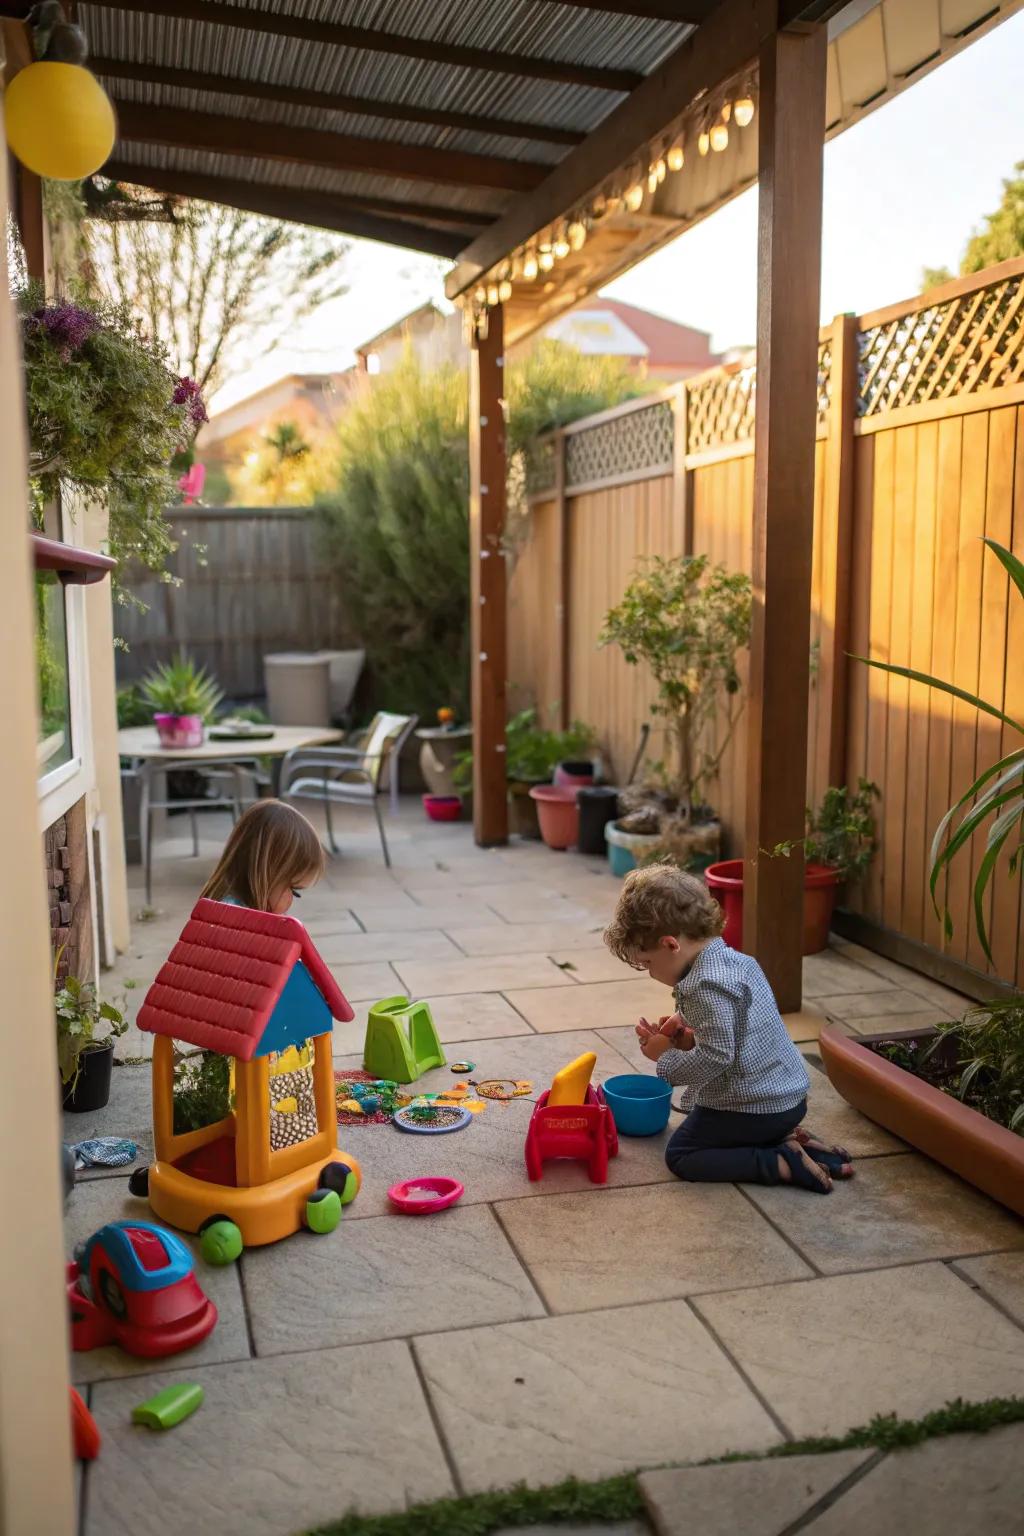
133, 1284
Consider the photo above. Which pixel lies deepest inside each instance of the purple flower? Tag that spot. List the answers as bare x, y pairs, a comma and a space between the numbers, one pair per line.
187, 393
68, 325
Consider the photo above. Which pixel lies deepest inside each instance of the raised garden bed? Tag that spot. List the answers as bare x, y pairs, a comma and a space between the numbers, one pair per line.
917, 1109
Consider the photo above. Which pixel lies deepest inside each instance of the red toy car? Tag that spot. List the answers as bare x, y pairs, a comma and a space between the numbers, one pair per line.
133, 1284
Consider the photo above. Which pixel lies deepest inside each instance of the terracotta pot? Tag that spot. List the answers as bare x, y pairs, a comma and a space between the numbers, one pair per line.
725, 882
987, 1155
558, 813
523, 812
179, 732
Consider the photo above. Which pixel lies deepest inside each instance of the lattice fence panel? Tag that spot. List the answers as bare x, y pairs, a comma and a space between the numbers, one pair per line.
636, 443
540, 467
721, 410
824, 380
972, 342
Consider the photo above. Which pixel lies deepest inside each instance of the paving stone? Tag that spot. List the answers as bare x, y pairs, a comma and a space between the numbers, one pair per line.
452, 873
525, 1056
967, 1485
525, 938
454, 910
891, 1004
598, 1005
367, 982
374, 895
89, 1208
838, 1123
829, 1354
278, 1446
588, 1395
383, 1278
590, 964
602, 1248
619, 1528
529, 903
831, 974
416, 944
882, 1024
999, 1276
805, 1024
754, 1498
896, 1210
483, 973
475, 1016
128, 1113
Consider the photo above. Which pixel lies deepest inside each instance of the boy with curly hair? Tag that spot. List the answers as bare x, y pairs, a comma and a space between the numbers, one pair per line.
745, 1083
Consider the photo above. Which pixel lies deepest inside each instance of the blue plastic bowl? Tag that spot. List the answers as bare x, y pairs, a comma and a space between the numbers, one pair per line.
640, 1105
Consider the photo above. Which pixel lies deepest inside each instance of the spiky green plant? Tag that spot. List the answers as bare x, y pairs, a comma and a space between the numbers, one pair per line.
179, 687
996, 797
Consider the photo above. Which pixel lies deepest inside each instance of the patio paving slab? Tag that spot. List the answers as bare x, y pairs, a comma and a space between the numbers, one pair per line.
103, 1200
384, 1278
128, 1113
500, 938
326, 926
597, 1005
829, 1354
475, 1016
483, 973
829, 974
894, 1211
277, 1447
891, 1004
534, 903
368, 982
454, 910
589, 1395
526, 1056
620, 1528
345, 949
1000, 1277
806, 1024
922, 1017
753, 1498
589, 964
966, 1485
606, 1247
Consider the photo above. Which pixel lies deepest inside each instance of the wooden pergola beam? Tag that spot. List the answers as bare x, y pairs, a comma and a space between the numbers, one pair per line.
487, 582
281, 24
223, 135
328, 101
324, 211
790, 158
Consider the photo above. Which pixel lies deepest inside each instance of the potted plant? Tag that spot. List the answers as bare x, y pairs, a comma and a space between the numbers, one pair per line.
85, 1058
838, 847
441, 747
532, 755
686, 621
956, 1092
183, 698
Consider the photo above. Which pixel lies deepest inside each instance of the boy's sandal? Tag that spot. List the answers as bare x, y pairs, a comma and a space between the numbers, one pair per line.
839, 1167
802, 1177
805, 1138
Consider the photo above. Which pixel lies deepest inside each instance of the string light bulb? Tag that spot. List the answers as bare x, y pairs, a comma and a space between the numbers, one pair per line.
545, 258
743, 110
660, 169
480, 296
577, 235
530, 266
634, 196
703, 141
599, 207
676, 157
652, 178
561, 245
719, 137
504, 291
493, 297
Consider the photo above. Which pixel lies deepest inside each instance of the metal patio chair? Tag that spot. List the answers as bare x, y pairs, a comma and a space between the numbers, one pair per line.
350, 775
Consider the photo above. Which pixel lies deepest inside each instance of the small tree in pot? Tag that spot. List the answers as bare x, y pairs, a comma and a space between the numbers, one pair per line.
687, 621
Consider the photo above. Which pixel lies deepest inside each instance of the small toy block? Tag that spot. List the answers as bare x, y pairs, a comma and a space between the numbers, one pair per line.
401, 1040
169, 1407
570, 1085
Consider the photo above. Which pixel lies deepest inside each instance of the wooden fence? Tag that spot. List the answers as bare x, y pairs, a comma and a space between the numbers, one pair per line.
251, 582
920, 453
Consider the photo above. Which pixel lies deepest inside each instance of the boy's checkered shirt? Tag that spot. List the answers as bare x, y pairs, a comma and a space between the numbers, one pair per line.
743, 1058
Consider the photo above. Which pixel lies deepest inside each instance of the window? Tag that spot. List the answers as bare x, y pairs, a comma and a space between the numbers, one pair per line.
55, 746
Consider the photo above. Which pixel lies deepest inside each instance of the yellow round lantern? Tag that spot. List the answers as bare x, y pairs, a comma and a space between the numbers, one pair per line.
59, 120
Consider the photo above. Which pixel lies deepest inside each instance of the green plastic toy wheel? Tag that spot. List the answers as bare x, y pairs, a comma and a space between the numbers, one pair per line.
220, 1242
323, 1210
341, 1178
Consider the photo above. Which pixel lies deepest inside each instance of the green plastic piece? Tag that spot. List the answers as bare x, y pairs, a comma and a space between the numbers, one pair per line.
170, 1406
401, 1040
220, 1242
350, 1191
323, 1210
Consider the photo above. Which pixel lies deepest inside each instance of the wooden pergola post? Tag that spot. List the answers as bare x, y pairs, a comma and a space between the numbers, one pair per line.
487, 583
791, 123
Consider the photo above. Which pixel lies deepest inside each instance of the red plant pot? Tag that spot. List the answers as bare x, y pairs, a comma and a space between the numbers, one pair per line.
443, 807
576, 771
558, 813
179, 732
725, 882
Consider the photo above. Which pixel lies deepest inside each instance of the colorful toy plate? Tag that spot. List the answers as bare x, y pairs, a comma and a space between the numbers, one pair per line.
456, 1117
420, 1197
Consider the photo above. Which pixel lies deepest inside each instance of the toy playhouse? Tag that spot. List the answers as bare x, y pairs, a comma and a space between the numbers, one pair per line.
250, 986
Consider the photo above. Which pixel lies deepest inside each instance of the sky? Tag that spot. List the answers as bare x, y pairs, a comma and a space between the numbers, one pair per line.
903, 190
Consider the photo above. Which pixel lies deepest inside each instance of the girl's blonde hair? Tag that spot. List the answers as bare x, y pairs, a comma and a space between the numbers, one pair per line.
271, 846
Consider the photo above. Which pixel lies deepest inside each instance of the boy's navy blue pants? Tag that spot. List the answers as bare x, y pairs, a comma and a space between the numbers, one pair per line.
721, 1146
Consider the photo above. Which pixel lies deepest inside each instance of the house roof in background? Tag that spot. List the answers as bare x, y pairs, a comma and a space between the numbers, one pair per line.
664, 343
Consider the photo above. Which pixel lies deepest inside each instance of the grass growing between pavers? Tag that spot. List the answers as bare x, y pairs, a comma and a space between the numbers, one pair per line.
614, 1499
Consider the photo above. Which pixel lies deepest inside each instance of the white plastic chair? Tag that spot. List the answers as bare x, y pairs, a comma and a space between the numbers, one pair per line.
349, 775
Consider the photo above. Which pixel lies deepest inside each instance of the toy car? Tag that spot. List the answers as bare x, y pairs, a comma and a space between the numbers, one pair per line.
133, 1284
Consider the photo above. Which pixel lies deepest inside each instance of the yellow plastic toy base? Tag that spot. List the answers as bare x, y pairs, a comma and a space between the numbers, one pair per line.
570, 1085
263, 1214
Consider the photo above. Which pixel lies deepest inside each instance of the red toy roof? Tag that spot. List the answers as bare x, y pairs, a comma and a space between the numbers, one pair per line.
221, 981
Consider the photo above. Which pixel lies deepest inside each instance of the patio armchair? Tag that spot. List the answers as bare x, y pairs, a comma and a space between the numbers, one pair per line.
350, 775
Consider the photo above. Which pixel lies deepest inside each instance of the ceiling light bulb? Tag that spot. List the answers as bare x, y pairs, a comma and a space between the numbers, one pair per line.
545, 259
743, 111
599, 207
660, 169
492, 295
561, 246
634, 196
504, 291
726, 111
480, 296
675, 157
719, 138
530, 267
652, 180
703, 142
577, 233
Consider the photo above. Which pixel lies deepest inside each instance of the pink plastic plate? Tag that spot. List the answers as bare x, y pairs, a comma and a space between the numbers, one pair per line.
420, 1197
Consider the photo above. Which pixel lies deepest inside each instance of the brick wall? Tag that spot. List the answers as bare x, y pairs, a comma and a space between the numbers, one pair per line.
66, 859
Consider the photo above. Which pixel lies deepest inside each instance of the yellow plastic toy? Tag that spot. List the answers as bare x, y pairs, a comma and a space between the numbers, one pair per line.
570, 1085
250, 986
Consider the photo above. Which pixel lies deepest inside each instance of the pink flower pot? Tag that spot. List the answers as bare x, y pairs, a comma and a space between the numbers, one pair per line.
443, 807
558, 813
574, 772
179, 732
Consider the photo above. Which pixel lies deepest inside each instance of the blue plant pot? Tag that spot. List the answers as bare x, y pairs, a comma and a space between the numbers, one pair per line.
639, 1104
